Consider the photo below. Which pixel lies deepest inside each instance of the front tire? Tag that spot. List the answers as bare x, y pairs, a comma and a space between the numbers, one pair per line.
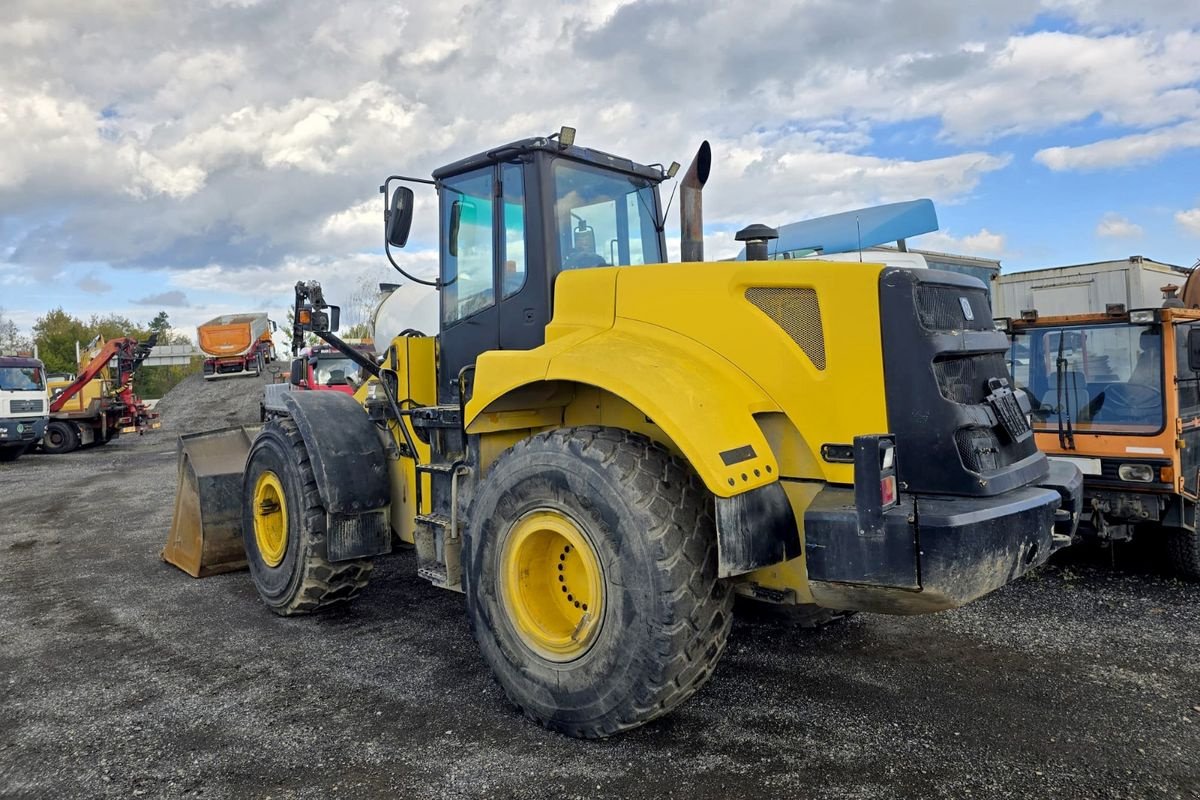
590, 575
60, 437
283, 527
1183, 549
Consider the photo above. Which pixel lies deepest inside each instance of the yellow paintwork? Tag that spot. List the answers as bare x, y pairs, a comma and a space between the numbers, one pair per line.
270, 519
552, 585
683, 347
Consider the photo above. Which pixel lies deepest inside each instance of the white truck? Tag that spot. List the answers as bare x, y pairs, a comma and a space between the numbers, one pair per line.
23, 405
1134, 282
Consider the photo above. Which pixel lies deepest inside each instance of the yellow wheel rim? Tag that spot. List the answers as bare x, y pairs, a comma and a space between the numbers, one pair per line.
270, 518
552, 585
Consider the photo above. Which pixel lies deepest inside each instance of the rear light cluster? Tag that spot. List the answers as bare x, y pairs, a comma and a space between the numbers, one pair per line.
887, 472
875, 486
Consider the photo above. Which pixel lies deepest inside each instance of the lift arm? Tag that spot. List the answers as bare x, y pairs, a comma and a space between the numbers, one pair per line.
128, 350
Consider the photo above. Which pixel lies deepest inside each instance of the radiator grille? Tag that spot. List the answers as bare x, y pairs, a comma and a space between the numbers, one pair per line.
963, 379
25, 406
798, 312
941, 308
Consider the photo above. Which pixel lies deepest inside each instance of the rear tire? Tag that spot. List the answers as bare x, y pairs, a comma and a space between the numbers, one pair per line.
60, 437
1183, 549
663, 616
290, 569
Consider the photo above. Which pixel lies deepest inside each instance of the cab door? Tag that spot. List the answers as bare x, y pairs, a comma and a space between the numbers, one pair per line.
470, 322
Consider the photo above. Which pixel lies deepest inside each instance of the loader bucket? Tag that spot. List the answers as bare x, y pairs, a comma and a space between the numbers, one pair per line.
206, 532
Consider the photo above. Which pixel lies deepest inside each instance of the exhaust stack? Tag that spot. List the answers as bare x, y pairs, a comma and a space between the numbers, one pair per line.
691, 207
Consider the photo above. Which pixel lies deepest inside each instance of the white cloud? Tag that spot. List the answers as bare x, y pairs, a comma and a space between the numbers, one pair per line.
1115, 226
983, 243
1122, 150
1189, 220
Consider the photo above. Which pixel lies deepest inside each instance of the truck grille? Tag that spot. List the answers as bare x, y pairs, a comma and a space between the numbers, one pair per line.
963, 379
944, 308
25, 406
798, 312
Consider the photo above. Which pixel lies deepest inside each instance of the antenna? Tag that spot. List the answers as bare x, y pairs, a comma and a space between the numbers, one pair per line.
858, 226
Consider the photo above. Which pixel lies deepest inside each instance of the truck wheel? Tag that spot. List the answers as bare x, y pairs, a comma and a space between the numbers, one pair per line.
591, 580
283, 527
61, 437
1183, 548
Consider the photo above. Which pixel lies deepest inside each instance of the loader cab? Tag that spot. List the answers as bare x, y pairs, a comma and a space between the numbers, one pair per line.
511, 220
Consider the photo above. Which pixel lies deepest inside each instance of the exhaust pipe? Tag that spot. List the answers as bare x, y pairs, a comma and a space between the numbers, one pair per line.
691, 207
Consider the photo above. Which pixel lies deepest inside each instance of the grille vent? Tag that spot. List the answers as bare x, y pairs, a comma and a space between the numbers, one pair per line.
798, 312
25, 406
940, 308
963, 379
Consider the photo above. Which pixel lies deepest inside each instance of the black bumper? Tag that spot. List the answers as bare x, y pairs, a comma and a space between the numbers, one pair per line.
933, 552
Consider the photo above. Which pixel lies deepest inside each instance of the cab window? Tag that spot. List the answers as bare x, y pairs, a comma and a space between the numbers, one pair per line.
604, 219
1187, 382
513, 190
467, 245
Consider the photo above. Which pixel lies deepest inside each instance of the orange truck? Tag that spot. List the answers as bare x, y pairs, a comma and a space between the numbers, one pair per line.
236, 344
1117, 394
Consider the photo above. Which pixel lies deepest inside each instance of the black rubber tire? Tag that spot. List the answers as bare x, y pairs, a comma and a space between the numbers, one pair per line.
1183, 550
806, 615
305, 580
666, 615
61, 437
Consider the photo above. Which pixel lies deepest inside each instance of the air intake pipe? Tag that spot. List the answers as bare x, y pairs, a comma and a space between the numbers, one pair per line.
691, 206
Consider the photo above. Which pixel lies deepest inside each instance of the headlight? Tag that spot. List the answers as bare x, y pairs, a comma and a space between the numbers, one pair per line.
1136, 472
1143, 317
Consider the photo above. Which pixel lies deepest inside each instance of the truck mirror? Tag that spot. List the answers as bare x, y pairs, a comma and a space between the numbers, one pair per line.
400, 216
335, 313
455, 222
298, 371
1193, 346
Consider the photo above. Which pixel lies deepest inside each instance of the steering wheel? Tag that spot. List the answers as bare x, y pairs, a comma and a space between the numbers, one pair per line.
582, 258
1131, 400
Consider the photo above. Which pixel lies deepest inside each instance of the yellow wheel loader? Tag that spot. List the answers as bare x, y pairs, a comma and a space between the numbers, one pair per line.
601, 449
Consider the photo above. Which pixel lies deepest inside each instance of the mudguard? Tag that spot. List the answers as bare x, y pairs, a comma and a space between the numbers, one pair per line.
351, 471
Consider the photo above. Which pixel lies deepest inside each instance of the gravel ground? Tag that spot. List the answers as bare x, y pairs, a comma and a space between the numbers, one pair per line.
120, 676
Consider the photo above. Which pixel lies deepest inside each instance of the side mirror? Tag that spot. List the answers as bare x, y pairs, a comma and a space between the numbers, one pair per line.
455, 223
1193, 346
299, 371
400, 216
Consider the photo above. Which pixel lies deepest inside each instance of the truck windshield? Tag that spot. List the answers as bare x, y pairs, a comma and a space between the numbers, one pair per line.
1091, 378
604, 219
336, 372
21, 379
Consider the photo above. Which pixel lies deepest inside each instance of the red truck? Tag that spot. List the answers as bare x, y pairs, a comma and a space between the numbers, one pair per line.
320, 368
236, 344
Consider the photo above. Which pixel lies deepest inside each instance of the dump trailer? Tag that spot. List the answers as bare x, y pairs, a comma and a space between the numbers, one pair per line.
1117, 394
236, 344
23, 405
601, 449
99, 404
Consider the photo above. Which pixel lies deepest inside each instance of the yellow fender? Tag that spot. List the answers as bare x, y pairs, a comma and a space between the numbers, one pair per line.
702, 403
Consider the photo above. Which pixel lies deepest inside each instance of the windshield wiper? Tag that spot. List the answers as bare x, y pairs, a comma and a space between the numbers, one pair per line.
1066, 435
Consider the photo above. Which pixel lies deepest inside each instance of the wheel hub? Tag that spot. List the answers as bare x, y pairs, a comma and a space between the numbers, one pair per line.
270, 519
552, 585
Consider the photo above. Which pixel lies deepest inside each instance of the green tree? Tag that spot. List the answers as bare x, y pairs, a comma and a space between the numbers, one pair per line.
56, 334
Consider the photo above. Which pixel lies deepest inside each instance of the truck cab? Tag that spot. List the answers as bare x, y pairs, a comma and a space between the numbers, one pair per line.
23, 405
319, 368
1117, 394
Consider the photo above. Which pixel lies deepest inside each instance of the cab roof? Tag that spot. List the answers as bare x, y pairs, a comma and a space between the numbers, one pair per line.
508, 152
20, 361
1102, 317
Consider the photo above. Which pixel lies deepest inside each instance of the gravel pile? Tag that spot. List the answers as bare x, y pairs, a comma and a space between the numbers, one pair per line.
199, 405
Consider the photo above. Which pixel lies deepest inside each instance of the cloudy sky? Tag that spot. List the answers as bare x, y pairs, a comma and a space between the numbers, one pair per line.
202, 156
